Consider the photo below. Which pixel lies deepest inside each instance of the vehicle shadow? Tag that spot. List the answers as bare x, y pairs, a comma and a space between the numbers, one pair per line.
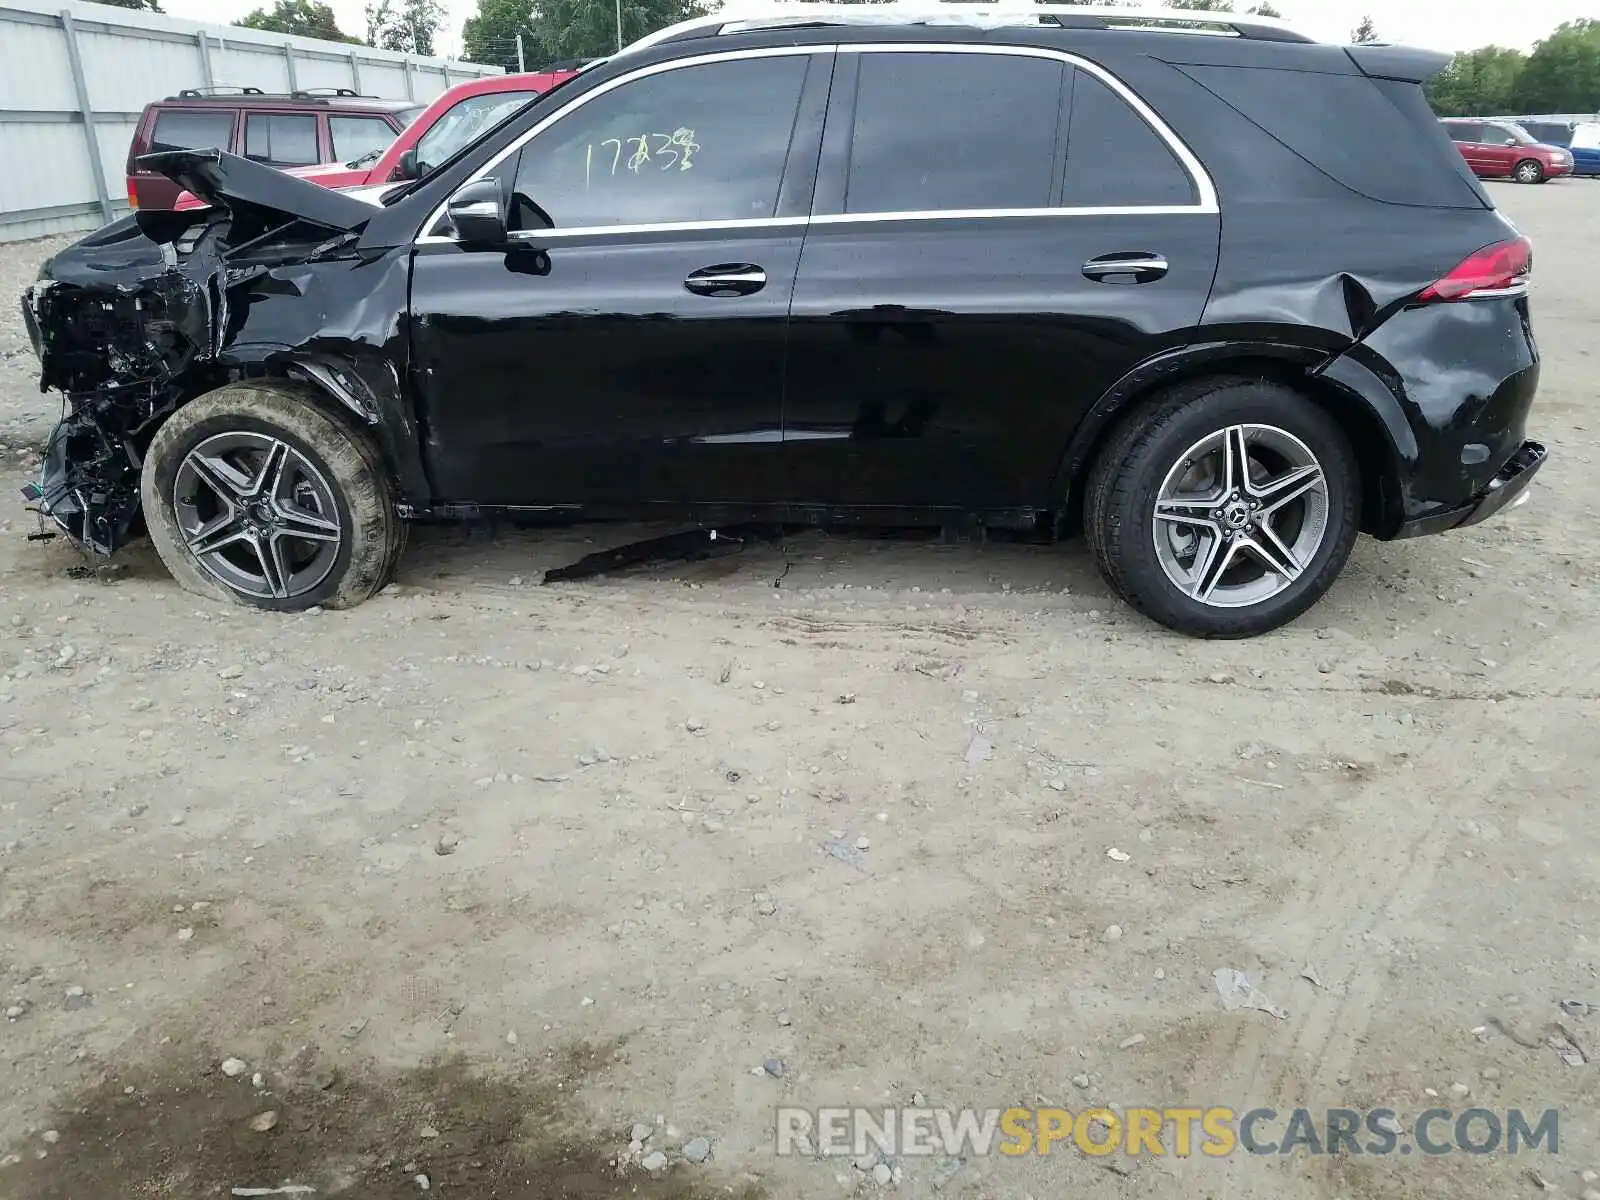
461, 558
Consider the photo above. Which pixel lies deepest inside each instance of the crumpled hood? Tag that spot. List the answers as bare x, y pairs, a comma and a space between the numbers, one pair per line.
257, 193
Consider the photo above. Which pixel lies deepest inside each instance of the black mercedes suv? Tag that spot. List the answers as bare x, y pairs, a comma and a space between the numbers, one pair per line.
1218, 295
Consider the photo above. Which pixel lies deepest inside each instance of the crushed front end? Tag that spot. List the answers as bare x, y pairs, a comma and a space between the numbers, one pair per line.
133, 321
119, 323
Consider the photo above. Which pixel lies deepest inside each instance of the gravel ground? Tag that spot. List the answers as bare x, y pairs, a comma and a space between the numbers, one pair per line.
474, 877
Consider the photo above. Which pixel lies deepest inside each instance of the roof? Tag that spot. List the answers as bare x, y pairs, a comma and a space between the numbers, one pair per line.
1188, 22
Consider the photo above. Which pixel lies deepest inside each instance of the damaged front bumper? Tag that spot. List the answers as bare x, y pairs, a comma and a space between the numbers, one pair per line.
88, 483
115, 349
132, 321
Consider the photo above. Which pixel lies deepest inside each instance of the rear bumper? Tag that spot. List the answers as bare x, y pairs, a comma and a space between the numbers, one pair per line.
1508, 487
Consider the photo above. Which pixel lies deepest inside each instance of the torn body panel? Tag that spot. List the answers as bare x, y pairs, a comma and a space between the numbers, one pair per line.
160, 307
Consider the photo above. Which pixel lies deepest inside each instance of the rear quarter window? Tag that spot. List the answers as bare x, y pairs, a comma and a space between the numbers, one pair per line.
1380, 144
192, 129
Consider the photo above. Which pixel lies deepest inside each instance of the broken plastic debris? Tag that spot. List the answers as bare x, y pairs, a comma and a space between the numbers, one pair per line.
845, 852
1238, 992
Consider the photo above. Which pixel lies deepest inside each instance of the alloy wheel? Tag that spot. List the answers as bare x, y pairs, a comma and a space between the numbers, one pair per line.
1240, 515
257, 515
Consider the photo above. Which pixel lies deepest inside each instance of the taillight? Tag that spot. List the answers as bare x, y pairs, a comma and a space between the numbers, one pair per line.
1501, 269
133, 193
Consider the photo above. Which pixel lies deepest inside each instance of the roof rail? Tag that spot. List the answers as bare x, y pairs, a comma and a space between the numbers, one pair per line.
326, 92
226, 89
981, 16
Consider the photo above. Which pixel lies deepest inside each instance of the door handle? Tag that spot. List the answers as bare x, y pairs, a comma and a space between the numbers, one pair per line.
1137, 267
726, 279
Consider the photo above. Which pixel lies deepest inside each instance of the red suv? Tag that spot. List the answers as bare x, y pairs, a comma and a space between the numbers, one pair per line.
454, 118
1502, 150
292, 130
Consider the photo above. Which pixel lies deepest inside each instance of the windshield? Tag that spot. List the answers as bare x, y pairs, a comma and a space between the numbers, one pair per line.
408, 115
464, 123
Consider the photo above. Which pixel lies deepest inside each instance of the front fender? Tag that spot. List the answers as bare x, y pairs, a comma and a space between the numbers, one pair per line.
337, 325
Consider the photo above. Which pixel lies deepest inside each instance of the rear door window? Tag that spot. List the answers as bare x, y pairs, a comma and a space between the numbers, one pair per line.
281, 139
1114, 158
1461, 131
356, 136
939, 132
192, 129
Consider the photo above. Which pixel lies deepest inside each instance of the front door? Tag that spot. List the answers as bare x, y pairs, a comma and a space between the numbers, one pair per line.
628, 346
974, 279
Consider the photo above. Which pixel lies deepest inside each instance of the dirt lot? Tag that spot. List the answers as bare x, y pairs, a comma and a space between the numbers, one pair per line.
476, 876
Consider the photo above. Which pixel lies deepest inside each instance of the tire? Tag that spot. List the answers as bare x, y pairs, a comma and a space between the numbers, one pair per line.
329, 478
1529, 170
1172, 449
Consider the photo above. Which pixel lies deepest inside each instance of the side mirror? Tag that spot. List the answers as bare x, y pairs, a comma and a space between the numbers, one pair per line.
479, 214
1511, 141
408, 167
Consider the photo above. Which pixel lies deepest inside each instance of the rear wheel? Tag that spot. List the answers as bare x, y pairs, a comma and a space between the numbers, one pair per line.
1529, 170
253, 494
1225, 508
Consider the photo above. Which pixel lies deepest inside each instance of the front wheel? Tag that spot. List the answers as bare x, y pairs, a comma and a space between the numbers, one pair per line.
1225, 508
1529, 171
253, 494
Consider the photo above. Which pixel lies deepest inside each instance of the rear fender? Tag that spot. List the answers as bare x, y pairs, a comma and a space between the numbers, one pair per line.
1355, 394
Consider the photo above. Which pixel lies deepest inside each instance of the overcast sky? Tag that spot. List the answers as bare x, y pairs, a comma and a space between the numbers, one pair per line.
1441, 24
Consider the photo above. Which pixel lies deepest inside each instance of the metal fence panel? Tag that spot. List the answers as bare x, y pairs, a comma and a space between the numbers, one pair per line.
60, 59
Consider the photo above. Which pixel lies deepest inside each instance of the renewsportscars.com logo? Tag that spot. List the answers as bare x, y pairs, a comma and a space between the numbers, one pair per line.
1215, 1132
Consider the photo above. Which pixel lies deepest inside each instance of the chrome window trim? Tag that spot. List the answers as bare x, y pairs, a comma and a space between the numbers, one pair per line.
1205, 189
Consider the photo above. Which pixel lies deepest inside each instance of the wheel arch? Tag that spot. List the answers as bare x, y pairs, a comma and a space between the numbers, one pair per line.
364, 392
1351, 393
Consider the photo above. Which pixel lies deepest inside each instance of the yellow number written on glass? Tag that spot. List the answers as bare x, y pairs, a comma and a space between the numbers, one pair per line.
670, 150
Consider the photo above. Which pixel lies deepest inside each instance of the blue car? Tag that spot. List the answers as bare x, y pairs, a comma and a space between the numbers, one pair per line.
1582, 138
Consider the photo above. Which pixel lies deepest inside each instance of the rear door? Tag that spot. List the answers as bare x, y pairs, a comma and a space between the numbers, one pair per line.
999, 234
1467, 136
282, 139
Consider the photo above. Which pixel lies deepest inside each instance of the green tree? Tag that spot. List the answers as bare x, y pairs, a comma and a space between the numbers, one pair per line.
1202, 5
1479, 83
409, 26
1364, 33
1266, 10
561, 29
304, 18
142, 5
490, 35
1563, 72
588, 28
